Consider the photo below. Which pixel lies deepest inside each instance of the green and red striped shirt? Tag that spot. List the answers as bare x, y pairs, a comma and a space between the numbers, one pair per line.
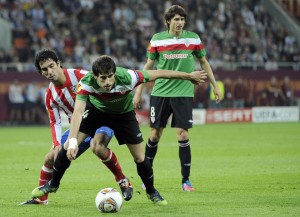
120, 99
171, 53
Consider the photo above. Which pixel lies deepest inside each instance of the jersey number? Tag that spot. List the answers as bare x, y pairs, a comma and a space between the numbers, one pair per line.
152, 111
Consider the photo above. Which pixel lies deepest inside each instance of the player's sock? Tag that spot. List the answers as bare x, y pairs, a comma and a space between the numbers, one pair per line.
151, 149
145, 171
112, 163
61, 164
185, 159
45, 176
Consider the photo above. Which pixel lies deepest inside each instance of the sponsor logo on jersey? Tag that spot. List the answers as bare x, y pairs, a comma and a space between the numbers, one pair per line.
116, 100
175, 56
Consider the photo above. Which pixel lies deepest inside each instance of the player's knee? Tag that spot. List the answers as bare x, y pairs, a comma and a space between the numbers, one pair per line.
182, 134
155, 134
49, 159
97, 146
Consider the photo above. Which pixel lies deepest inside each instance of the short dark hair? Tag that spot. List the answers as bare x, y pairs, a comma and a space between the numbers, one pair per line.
103, 65
44, 55
172, 11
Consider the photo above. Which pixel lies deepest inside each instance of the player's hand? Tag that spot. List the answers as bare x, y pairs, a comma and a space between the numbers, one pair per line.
198, 77
71, 153
136, 101
72, 149
218, 95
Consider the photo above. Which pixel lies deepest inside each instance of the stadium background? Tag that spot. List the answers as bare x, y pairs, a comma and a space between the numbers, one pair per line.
238, 169
254, 40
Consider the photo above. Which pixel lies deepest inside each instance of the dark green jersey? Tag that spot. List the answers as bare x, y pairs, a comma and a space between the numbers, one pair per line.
177, 54
120, 98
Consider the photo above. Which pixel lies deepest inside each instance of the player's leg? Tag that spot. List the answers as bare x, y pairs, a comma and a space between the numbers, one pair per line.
99, 145
185, 157
61, 164
159, 114
45, 176
127, 131
145, 171
182, 120
152, 143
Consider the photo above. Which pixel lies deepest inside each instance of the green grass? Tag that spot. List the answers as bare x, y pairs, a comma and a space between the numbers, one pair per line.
237, 169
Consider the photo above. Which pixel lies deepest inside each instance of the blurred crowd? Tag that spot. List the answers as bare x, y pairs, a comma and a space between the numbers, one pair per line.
79, 30
27, 103
245, 93
233, 31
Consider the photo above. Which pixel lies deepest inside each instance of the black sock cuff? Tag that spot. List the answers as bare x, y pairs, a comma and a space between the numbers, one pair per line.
184, 141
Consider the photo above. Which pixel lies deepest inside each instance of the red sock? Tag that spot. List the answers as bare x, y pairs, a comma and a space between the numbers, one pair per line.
111, 162
45, 176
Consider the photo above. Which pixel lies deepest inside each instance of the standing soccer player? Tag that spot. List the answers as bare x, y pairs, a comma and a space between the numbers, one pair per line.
104, 98
61, 95
174, 49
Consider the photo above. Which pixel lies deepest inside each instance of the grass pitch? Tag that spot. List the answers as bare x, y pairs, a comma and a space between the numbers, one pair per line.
237, 169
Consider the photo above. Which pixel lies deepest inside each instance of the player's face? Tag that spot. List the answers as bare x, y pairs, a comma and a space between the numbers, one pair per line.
106, 82
50, 70
176, 24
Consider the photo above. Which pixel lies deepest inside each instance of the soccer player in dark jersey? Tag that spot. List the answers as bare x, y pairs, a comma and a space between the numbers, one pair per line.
104, 98
174, 49
60, 96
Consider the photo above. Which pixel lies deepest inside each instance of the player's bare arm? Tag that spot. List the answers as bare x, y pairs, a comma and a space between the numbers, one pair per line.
71, 144
138, 91
196, 77
206, 67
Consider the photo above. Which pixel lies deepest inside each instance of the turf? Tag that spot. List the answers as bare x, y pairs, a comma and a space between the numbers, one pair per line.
237, 169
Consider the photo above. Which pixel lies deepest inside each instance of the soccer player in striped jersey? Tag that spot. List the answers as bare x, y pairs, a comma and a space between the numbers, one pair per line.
104, 98
174, 49
60, 96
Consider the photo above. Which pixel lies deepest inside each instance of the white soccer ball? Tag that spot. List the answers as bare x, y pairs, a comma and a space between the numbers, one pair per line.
109, 200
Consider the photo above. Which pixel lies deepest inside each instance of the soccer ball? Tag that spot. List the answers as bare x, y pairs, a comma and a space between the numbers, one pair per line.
109, 200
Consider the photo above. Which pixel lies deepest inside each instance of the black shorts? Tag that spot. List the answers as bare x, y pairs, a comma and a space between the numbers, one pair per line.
162, 107
125, 126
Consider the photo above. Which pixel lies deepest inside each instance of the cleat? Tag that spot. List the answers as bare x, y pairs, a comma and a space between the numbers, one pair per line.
143, 186
34, 201
126, 188
157, 199
187, 186
43, 190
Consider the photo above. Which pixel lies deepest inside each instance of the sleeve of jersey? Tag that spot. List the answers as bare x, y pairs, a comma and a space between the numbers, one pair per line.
199, 49
82, 91
55, 119
80, 73
151, 51
142, 76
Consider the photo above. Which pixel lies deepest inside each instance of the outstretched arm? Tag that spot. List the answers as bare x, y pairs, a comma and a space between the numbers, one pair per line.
196, 77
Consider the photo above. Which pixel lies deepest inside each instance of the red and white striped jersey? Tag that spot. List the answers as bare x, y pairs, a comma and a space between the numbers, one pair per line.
62, 98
